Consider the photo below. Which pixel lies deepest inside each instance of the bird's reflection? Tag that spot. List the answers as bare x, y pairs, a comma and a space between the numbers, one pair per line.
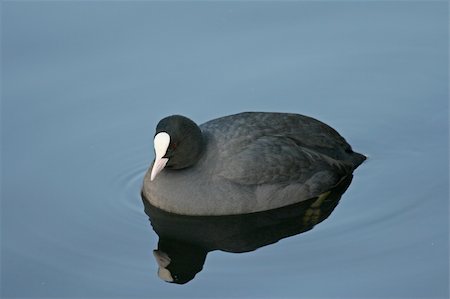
184, 241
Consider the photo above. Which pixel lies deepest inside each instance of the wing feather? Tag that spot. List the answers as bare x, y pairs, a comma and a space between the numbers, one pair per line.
280, 160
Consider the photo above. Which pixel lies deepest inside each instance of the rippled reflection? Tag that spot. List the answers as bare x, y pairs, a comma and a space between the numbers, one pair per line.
184, 241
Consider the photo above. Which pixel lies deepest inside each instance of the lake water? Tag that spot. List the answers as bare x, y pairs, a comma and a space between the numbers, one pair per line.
85, 83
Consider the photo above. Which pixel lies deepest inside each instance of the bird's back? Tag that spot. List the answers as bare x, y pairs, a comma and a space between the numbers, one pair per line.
234, 132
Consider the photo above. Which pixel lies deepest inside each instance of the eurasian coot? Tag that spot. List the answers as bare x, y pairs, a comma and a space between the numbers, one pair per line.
244, 163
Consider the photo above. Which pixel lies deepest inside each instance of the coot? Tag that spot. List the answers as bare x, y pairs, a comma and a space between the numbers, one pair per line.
244, 163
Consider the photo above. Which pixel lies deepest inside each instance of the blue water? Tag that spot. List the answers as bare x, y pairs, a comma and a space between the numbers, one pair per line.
85, 83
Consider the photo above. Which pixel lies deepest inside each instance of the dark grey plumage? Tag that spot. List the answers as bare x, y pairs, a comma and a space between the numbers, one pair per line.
251, 162
185, 132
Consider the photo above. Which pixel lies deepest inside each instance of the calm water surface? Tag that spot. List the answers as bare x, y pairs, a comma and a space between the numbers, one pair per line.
84, 85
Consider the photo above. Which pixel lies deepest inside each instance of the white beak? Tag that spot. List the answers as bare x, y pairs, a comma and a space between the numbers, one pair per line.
157, 167
161, 143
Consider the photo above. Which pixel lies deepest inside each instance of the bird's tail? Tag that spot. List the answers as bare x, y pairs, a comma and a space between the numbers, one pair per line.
357, 159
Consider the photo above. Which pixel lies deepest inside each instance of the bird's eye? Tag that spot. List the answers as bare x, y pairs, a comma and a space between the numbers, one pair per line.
172, 146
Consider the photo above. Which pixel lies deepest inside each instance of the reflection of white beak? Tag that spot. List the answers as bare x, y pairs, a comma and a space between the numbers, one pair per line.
163, 261
161, 143
157, 167
162, 258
